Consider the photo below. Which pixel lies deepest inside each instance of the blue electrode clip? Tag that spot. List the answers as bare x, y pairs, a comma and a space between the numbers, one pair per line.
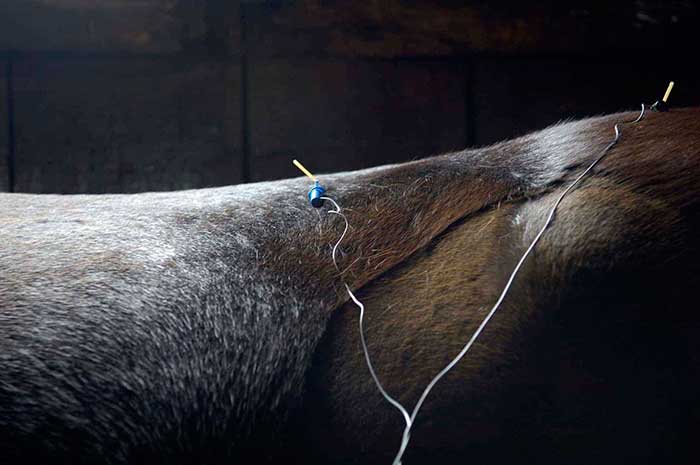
317, 190
316, 194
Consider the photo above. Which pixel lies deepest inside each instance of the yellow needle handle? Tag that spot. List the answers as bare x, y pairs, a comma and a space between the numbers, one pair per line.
304, 170
668, 92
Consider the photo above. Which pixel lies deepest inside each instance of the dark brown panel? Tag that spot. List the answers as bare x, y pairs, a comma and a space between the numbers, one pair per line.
394, 28
158, 26
126, 125
4, 136
341, 115
517, 96
389, 28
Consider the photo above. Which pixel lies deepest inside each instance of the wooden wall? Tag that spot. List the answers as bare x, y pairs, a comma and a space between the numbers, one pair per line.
5, 142
123, 96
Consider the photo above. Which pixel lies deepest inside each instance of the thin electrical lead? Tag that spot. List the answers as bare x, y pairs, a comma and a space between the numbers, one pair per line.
550, 217
361, 306
409, 420
342, 236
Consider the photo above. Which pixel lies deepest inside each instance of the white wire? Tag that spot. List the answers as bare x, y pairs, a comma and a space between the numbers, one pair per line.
342, 236
495, 307
411, 419
386, 395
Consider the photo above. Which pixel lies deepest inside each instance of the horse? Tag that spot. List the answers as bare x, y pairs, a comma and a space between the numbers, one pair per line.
211, 325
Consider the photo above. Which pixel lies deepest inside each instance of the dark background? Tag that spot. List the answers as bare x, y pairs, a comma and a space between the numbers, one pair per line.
127, 96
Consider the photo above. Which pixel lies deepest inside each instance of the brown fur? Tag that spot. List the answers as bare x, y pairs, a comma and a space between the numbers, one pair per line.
590, 359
